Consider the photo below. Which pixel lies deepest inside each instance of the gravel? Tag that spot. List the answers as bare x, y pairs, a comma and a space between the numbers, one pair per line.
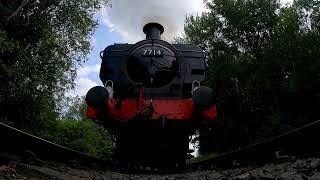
292, 168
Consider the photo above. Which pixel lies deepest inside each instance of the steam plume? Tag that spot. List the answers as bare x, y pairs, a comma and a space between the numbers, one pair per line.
127, 17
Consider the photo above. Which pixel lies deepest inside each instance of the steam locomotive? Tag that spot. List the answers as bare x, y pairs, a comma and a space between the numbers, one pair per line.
152, 99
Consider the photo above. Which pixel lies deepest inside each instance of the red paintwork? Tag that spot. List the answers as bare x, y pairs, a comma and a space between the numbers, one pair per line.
91, 113
172, 109
210, 114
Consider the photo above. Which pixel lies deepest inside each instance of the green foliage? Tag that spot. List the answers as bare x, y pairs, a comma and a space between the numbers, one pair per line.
41, 42
84, 136
76, 109
77, 132
263, 62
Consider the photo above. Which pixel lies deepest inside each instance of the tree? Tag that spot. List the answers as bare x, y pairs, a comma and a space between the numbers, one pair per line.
77, 132
261, 61
76, 109
40, 44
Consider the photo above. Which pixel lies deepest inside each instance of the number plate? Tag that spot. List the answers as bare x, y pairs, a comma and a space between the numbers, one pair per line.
152, 52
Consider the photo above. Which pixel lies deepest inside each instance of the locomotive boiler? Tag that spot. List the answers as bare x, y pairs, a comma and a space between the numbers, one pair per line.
152, 99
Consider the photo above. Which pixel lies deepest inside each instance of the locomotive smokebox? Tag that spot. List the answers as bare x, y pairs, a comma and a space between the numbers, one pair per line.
203, 98
153, 30
97, 97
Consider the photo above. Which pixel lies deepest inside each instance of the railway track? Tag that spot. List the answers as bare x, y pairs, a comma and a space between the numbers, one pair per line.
20, 143
298, 142
301, 141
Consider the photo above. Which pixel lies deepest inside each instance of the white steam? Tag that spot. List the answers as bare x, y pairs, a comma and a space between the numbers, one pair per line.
127, 17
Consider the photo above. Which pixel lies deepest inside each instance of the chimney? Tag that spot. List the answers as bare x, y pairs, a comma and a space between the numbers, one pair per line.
153, 30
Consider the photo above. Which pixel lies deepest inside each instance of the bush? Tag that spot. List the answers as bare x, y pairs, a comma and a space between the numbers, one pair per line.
84, 136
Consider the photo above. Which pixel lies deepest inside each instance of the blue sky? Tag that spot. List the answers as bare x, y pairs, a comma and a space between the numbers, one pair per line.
123, 22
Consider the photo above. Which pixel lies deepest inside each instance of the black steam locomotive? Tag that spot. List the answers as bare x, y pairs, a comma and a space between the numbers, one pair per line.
152, 99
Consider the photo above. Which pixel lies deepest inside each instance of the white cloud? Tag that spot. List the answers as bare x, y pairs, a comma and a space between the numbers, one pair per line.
83, 84
86, 70
285, 2
127, 17
106, 20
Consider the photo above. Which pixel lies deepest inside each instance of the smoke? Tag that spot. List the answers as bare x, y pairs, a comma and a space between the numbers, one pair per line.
127, 17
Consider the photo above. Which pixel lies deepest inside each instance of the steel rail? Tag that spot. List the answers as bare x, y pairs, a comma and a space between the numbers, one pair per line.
300, 141
15, 141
